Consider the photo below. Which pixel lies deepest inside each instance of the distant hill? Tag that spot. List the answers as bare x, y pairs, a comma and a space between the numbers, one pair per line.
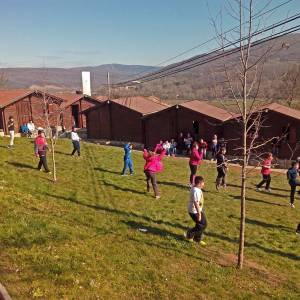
197, 83
70, 78
200, 82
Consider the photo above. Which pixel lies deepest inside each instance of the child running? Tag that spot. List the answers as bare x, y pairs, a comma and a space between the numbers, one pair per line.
75, 141
152, 166
127, 159
292, 174
40, 150
221, 169
196, 212
195, 160
266, 173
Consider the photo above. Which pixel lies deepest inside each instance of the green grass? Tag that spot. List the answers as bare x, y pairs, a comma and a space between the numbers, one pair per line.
79, 238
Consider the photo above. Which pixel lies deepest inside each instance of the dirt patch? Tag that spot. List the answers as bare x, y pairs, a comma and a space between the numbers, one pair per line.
230, 260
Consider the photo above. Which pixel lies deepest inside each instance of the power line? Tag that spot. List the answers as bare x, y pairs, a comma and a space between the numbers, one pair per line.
222, 55
185, 62
255, 16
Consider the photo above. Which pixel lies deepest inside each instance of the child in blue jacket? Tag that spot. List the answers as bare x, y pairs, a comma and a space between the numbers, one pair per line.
127, 159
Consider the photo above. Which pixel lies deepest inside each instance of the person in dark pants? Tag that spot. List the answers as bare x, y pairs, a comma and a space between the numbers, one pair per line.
180, 144
40, 150
194, 162
221, 169
266, 173
127, 159
292, 175
75, 141
152, 166
196, 212
214, 147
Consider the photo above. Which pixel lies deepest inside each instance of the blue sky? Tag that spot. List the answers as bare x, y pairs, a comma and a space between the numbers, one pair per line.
66, 33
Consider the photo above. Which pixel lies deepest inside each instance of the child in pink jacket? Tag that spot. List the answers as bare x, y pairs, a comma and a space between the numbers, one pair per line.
152, 166
195, 160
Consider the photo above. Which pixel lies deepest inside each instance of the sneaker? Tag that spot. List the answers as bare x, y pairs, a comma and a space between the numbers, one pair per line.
297, 231
268, 190
123, 174
258, 189
292, 205
131, 174
189, 239
202, 243
157, 197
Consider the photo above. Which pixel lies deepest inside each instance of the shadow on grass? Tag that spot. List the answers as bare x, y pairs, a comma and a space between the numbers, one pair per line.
258, 200
288, 255
116, 211
175, 184
107, 171
21, 165
63, 153
154, 230
264, 224
176, 225
254, 187
118, 187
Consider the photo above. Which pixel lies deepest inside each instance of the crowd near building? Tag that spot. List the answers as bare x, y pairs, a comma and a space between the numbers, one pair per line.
146, 120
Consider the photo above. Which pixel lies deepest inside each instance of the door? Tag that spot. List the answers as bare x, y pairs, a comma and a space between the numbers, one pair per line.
75, 116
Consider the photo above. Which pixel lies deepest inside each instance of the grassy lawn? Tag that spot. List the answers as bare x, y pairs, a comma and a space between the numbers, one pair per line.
79, 238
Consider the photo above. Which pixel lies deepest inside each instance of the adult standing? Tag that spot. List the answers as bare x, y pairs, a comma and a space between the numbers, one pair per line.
31, 128
180, 144
195, 160
214, 147
188, 141
75, 141
11, 130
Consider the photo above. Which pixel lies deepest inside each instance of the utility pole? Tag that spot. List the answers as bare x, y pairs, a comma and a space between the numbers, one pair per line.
108, 85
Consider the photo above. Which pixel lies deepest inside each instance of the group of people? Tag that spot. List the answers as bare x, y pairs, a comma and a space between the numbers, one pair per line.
154, 165
28, 128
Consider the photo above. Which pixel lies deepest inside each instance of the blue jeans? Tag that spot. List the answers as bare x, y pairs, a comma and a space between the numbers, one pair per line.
76, 147
127, 165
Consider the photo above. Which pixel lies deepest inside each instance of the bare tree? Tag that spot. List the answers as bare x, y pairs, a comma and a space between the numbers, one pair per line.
52, 112
290, 85
242, 77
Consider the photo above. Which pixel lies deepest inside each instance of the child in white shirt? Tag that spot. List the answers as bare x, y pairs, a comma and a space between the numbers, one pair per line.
196, 212
75, 141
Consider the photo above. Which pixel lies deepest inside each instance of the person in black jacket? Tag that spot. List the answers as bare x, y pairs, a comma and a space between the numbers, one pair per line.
221, 169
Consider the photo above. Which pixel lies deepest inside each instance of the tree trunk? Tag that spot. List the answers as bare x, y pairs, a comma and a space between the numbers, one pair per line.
53, 159
243, 202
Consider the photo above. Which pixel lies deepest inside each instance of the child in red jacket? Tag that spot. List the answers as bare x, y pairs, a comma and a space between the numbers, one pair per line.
195, 160
266, 173
40, 150
152, 166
